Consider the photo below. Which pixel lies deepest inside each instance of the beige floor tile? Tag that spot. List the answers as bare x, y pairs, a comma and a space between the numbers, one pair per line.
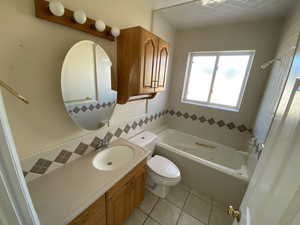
136, 218
201, 195
149, 202
186, 219
198, 208
219, 216
150, 221
165, 213
177, 196
183, 186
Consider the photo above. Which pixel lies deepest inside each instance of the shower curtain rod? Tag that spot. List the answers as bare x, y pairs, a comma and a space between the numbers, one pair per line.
13, 92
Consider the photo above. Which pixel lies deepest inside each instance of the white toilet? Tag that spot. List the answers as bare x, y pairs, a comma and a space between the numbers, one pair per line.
162, 173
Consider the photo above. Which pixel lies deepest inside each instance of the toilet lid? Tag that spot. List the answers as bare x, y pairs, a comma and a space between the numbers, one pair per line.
163, 167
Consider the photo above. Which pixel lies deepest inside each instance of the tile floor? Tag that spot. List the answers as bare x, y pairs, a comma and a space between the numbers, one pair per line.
181, 207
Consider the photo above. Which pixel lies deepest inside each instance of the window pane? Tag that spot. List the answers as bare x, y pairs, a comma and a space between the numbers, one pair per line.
229, 79
201, 74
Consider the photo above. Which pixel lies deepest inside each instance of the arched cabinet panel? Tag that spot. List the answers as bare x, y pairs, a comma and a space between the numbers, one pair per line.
142, 64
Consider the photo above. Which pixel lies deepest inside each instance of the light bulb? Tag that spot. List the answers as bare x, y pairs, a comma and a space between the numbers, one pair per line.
100, 25
56, 8
79, 16
115, 31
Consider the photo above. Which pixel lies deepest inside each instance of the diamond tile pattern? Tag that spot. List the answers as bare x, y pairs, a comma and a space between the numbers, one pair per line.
95, 142
81, 148
118, 132
134, 124
231, 125
42, 165
91, 107
210, 121
63, 157
127, 129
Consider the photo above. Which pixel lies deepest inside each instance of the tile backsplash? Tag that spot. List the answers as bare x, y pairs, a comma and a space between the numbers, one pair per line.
45, 162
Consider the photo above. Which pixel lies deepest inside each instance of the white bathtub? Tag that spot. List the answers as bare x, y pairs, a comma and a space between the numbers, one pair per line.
207, 167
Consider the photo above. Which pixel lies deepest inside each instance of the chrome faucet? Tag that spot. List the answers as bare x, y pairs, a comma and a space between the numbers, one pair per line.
103, 144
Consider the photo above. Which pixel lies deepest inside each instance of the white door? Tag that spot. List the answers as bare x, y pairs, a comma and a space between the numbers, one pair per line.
273, 195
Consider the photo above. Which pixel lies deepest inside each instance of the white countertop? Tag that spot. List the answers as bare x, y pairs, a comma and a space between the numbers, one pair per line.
61, 195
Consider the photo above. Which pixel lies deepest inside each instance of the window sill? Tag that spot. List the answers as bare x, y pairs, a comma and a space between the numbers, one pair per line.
225, 108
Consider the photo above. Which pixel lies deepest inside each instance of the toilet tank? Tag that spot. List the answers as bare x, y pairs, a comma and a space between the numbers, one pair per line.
147, 140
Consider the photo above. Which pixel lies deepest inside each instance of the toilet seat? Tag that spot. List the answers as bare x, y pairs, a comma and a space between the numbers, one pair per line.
163, 167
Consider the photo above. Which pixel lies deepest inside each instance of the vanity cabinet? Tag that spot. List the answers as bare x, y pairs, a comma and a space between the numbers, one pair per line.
126, 195
118, 203
142, 64
93, 215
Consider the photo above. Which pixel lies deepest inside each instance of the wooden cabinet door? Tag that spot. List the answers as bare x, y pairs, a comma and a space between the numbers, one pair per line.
148, 59
93, 215
139, 187
119, 206
162, 66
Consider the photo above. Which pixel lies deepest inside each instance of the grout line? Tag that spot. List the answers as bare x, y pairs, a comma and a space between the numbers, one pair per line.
185, 201
210, 212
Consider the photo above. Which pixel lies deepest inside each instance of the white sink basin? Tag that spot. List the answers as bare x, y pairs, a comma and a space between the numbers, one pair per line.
113, 158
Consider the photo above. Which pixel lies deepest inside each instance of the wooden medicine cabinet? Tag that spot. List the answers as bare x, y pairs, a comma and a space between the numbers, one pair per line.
142, 64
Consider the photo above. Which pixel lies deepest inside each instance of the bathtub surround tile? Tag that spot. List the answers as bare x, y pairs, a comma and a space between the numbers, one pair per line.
149, 202
44, 162
231, 125
165, 213
210, 121
186, 219
221, 123
198, 208
136, 218
177, 195
186, 115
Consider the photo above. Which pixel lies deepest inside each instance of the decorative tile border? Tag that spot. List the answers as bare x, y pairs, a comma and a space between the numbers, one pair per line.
91, 107
39, 166
211, 121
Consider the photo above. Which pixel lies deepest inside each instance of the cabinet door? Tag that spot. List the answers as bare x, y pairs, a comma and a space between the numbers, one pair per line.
119, 206
149, 50
162, 66
139, 187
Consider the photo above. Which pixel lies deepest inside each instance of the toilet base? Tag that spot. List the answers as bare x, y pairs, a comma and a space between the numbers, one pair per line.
157, 189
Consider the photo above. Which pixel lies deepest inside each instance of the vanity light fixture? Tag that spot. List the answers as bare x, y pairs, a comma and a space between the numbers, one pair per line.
100, 25
79, 16
56, 8
115, 31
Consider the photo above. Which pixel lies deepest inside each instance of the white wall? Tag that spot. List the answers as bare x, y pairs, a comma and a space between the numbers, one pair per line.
278, 76
34, 51
261, 36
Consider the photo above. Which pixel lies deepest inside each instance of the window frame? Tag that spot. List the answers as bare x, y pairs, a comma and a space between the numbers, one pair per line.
251, 53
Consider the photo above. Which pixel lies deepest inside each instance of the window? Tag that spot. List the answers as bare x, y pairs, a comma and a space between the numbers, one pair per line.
217, 79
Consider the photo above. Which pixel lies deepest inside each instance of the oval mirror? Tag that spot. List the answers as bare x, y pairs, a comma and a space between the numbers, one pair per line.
86, 85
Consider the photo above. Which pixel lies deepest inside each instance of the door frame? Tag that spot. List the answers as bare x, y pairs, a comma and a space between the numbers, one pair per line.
12, 181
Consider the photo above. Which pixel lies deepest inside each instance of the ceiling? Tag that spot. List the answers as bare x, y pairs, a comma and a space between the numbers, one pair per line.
183, 14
